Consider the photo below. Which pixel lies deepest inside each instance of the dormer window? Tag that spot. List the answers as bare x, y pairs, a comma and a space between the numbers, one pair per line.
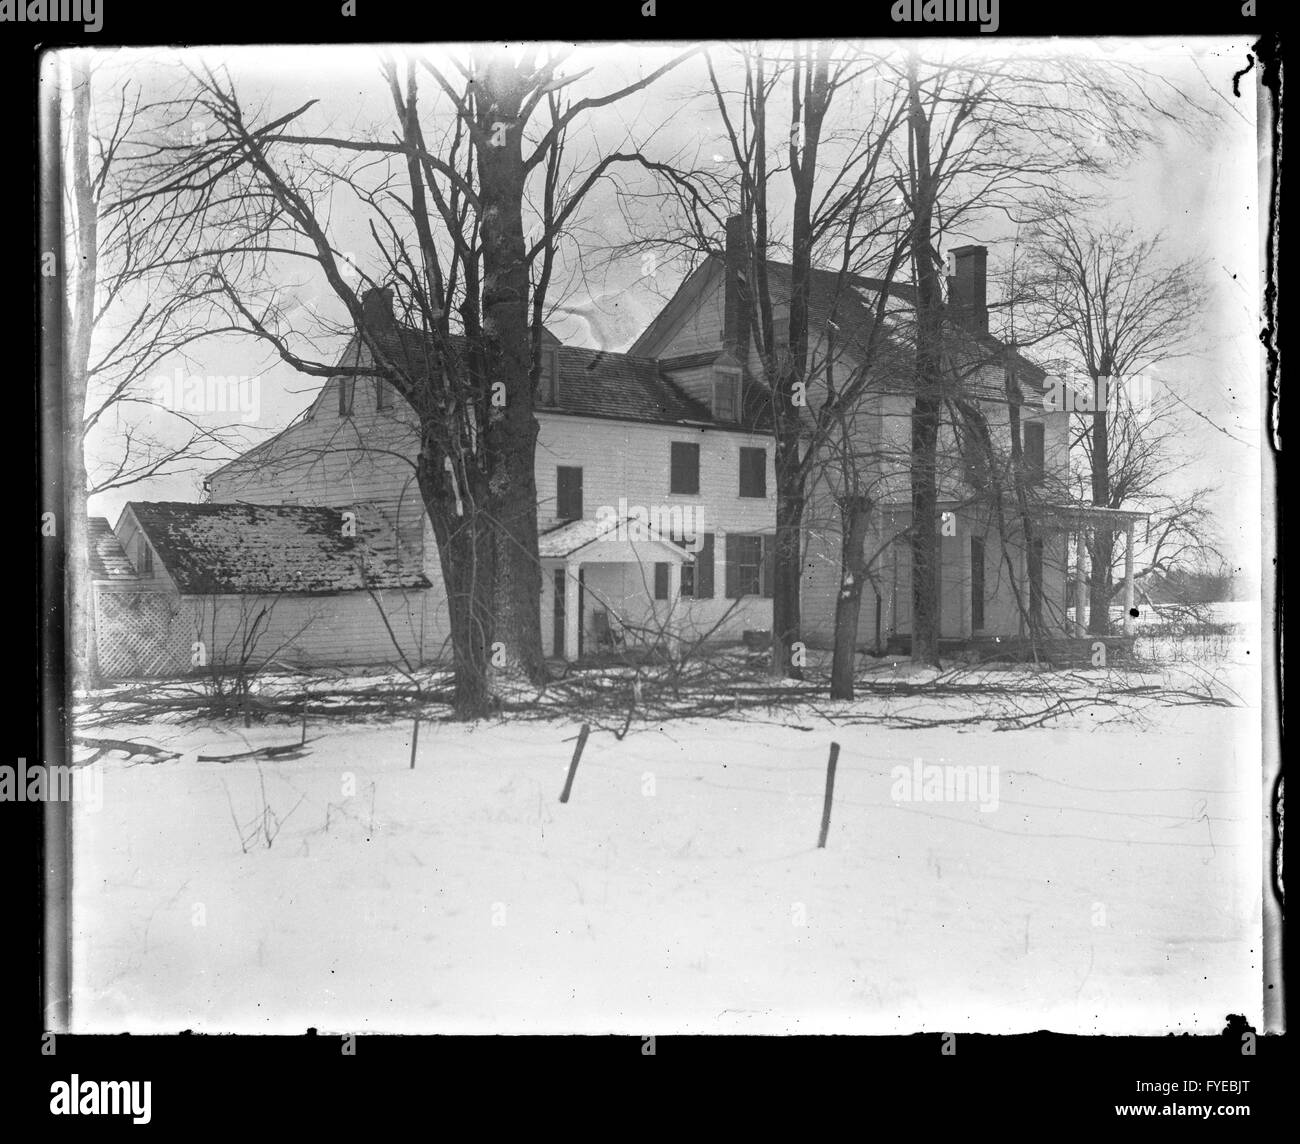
726, 394
143, 556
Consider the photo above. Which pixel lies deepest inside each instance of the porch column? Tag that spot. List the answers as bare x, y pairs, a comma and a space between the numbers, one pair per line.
674, 594
1080, 585
1128, 578
572, 620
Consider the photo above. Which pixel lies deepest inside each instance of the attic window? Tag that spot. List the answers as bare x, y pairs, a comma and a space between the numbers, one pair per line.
143, 556
726, 394
383, 399
345, 396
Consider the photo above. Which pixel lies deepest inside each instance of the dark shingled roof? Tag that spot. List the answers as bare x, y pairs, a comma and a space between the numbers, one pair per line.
593, 383
243, 548
108, 559
601, 384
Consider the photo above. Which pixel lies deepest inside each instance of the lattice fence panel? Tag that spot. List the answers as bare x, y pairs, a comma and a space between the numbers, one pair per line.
141, 633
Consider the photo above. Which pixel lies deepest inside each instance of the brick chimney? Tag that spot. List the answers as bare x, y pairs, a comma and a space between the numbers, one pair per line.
377, 308
735, 311
968, 285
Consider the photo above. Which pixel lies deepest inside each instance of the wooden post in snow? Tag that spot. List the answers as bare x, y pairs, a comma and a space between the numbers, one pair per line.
415, 740
573, 765
830, 795
303, 741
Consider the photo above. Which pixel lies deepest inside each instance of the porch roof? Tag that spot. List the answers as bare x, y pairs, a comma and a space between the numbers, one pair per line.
1068, 516
606, 541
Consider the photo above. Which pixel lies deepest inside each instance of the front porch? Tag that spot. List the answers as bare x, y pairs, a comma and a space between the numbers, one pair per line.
608, 590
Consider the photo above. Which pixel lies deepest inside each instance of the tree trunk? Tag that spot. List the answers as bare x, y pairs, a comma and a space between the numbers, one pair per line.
1101, 550
79, 318
854, 513
512, 427
925, 410
465, 551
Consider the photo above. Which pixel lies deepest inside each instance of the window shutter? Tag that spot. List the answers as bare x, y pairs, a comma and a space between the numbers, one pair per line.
769, 563
381, 394
685, 465
568, 492
753, 472
661, 581
345, 396
733, 559
1034, 450
704, 569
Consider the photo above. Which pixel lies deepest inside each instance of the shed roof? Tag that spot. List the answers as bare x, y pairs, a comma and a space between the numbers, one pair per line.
218, 549
108, 559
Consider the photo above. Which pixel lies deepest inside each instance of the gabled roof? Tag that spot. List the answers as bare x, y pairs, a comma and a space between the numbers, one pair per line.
593, 383
219, 549
848, 300
108, 559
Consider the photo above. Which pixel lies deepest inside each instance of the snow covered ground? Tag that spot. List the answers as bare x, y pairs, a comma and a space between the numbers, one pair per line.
1114, 887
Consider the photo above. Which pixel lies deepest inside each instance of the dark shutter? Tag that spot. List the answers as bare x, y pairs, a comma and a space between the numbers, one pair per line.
381, 394
685, 464
345, 397
568, 492
730, 572
753, 472
704, 569
768, 546
661, 581
976, 583
1033, 450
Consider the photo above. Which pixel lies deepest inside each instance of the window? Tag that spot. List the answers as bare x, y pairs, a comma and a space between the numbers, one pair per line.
976, 583
749, 565
1034, 464
726, 395
753, 472
661, 581
697, 577
143, 555
382, 399
568, 493
345, 396
684, 459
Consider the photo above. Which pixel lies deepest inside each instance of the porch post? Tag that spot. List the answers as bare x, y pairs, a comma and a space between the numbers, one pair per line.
1080, 585
572, 620
674, 594
1128, 578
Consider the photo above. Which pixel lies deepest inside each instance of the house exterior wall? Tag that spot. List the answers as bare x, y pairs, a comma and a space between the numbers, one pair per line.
625, 461
342, 630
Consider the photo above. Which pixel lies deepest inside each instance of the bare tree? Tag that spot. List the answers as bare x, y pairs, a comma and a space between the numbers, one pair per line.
446, 222
984, 138
1118, 308
129, 307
